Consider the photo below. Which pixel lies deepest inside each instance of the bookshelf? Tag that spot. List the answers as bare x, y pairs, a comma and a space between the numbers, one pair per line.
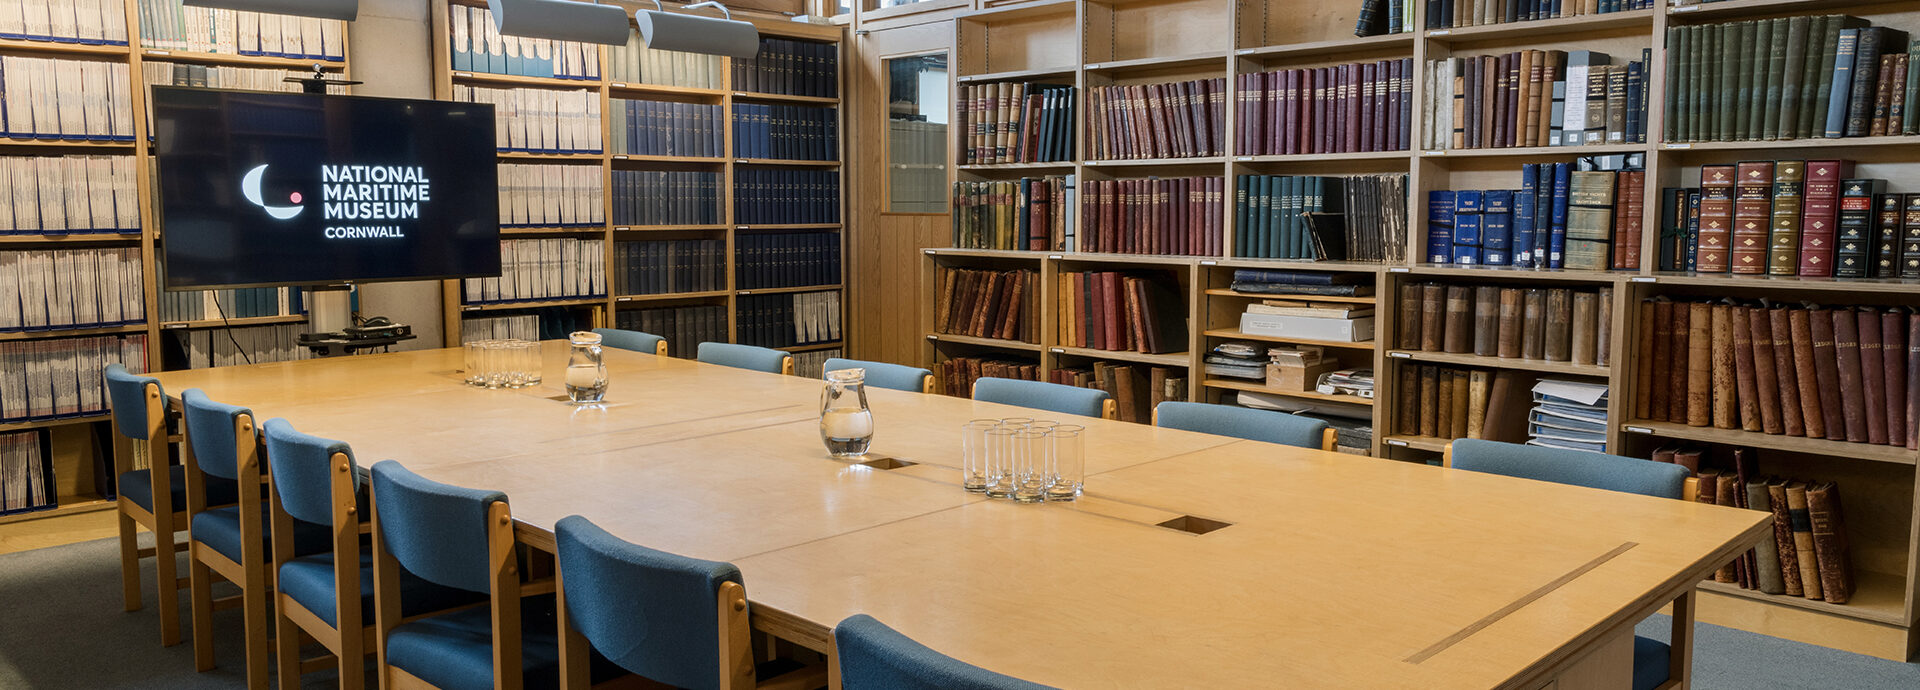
609, 89
79, 442
1093, 43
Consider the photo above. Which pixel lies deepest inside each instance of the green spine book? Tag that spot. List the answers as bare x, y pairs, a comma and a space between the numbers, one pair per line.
1787, 98
1690, 89
1783, 240
1724, 79
1909, 123
1750, 76
1810, 74
1767, 66
1707, 94
1589, 221
1677, 46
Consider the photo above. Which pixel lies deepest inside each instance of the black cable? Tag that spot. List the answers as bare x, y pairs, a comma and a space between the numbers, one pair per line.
228, 327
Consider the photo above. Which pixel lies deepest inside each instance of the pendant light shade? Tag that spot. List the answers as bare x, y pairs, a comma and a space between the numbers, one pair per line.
343, 10
561, 20
692, 33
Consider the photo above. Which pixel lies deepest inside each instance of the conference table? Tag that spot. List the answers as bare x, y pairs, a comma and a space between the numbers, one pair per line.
1192, 560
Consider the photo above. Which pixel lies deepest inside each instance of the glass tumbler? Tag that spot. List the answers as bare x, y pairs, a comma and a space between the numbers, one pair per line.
1000, 452
495, 354
1030, 465
476, 363
531, 357
974, 454
1066, 463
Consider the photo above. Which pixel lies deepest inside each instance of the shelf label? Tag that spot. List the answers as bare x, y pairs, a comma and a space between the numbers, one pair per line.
1248, 51
469, 309
1055, 256
746, 227
622, 229
930, 252
1400, 355
931, 336
174, 325
1637, 429
1209, 262
1683, 8
744, 160
1643, 279
1396, 442
1243, 158
1671, 147
619, 85
158, 52
1398, 269
625, 299
620, 157
1095, 66
1442, 32
1441, 152
1057, 350
463, 74
746, 292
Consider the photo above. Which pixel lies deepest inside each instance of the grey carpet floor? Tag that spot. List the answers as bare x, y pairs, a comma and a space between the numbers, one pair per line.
61, 627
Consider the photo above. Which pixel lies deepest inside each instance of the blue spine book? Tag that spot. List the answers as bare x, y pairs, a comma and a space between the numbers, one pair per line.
1496, 228
1440, 226
1693, 228
1525, 201
1557, 241
1842, 74
1542, 214
1634, 119
1467, 209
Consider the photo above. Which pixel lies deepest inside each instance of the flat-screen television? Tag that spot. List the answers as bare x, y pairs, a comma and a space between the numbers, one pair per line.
301, 189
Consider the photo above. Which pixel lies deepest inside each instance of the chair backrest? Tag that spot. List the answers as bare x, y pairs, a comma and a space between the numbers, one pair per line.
210, 432
127, 392
896, 376
872, 655
1242, 422
1576, 467
636, 341
1040, 395
649, 611
302, 477
436, 531
744, 357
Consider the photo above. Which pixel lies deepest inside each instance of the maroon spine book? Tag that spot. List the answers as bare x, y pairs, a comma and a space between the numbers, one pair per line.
1364, 84
1820, 214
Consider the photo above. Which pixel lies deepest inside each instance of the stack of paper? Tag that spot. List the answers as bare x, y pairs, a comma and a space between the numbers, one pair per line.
1569, 414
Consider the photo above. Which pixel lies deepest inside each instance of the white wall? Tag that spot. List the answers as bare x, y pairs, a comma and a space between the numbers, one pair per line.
390, 49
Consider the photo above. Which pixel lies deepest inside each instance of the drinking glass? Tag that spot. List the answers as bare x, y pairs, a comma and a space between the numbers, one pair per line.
496, 358
1030, 465
974, 454
1000, 453
1016, 422
515, 366
1066, 463
476, 363
534, 362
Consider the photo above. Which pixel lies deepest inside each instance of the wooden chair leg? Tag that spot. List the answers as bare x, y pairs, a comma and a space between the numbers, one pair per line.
130, 562
256, 610
202, 604
1680, 654
286, 642
166, 581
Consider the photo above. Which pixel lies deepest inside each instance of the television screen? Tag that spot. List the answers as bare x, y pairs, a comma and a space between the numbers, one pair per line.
298, 189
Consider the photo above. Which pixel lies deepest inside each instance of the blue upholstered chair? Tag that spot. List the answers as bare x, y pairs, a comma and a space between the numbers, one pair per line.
461, 539
746, 357
635, 341
1653, 660
868, 655
1040, 395
672, 619
316, 481
884, 375
152, 491
1245, 422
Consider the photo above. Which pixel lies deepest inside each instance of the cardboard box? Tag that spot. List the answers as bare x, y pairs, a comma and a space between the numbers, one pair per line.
1298, 378
1312, 328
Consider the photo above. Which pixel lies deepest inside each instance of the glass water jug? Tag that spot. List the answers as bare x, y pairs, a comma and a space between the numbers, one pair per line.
846, 424
586, 372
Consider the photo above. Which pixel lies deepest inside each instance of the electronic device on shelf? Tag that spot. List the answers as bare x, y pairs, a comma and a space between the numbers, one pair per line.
371, 333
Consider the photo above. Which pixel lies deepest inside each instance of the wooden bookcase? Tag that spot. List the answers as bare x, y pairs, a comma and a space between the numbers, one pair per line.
79, 442
601, 312
1091, 43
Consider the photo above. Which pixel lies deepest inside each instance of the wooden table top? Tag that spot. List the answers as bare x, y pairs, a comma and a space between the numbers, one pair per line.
1334, 570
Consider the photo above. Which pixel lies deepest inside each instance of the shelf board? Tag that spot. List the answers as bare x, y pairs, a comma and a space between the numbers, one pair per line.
1797, 444
1248, 386
1782, 282
74, 332
810, 346
637, 158
1124, 259
1154, 162
1402, 40
302, 65
584, 230
1235, 334
984, 342
1427, 443
1511, 273
1717, 11
1536, 151
1049, 165
666, 228
1545, 27
665, 296
50, 423
1540, 365
553, 157
787, 162
1396, 156
1877, 597
1369, 267
218, 323
1017, 254
1041, 74
74, 144
785, 98
621, 87
514, 80
1898, 140
788, 290
790, 226
535, 304
85, 505
1222, 292
1168, 62
70, 238
13, 45
1177, 359
1025, 10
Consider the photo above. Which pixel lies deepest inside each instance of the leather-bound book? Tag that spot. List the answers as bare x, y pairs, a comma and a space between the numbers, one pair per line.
1462, 403
1709, 493
1444, 410
1410, 317
1700, 346
1429, 400
1913, 381
1873, 384
1793, 416
1766, 384
1603, 326
1407, 417
1893, 370
1664, 453
1783, 242
1688, 457
1819, 220
1826, 367
1716, 218
1803, 541
1459, 320
1766, 556
1433, 314
1809, 372
1533, 342
1680, 355
1508, 399
1830, 542
1783, 537
1486, 321
1752, 214
1745, 396
1746, 465
1889, 213
1583, 328
1659, 362
1477, 382
1846, 357
1511, 322
1643, 356
1724, 398
1559, 326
